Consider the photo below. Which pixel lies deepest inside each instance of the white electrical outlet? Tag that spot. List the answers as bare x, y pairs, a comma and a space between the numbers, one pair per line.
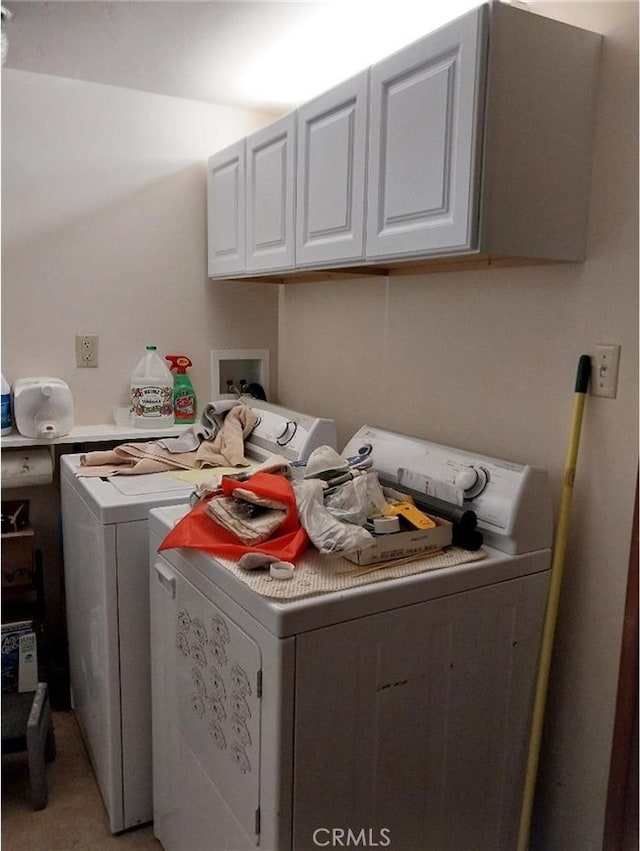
86, 350
604, 379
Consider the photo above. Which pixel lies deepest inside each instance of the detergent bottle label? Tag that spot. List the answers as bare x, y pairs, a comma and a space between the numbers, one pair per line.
6, 412
184, 406
151, 401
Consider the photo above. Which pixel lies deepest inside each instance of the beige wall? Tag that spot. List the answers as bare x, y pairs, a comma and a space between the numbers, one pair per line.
104, 231
487, 360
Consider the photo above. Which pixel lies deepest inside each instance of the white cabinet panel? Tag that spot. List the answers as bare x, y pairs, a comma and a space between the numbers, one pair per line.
133, 630
440, 151
424, 142
429, 744
270, 175
225, 210
331, 174
168, 820
389, 709
92, 628
207, 719
218, 707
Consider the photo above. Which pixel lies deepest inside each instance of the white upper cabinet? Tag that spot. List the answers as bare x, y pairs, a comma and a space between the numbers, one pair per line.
270, 197
226, 211
426, 102
332, 140
472, 144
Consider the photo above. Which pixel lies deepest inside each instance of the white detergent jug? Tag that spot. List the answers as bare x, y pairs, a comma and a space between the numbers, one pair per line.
42, 407
151, 392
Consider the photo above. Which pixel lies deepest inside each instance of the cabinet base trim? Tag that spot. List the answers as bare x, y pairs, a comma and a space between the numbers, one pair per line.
406, 267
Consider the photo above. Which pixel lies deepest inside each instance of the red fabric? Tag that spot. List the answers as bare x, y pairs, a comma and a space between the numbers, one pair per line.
198, 530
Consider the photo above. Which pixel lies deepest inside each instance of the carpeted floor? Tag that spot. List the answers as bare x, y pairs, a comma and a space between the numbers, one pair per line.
74, 818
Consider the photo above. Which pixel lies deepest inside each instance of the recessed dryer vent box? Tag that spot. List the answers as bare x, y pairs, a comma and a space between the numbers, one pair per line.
237, 365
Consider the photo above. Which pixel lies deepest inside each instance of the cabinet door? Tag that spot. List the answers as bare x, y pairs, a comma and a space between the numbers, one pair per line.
331, 174
206, 720
225, 211
425, 134
417, 720
271, 197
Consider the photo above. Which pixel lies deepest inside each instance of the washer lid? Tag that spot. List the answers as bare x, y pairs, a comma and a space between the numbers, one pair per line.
122, 499
148, 483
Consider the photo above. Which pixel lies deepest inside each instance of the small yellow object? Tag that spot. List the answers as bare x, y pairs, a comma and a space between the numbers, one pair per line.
410, 513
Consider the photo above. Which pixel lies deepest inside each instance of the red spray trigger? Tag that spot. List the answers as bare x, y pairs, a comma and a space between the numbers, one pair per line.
179, 363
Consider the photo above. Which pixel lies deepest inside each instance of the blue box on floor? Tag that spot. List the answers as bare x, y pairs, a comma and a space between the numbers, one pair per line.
19, 656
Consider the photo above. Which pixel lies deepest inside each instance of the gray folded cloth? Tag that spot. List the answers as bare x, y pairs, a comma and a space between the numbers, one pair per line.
211, 421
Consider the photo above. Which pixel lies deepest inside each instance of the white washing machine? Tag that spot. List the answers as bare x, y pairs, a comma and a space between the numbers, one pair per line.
106, 561
390, 714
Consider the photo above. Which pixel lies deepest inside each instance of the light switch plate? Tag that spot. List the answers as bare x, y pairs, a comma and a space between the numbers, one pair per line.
605, 374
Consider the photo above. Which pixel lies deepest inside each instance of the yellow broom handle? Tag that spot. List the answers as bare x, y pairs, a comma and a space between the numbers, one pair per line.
553, 600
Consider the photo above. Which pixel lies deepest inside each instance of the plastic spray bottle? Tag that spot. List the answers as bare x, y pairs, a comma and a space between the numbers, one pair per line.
184, 397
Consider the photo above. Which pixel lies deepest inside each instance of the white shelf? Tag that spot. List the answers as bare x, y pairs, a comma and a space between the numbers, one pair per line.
93, 434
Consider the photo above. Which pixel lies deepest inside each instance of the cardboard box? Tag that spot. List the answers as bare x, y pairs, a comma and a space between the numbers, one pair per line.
19, 657
404, 544
17, 558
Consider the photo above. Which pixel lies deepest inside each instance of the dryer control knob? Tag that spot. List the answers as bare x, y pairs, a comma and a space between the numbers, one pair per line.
473, 480
466, 479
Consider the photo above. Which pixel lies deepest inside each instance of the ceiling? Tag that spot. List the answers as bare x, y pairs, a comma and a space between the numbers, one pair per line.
263, 55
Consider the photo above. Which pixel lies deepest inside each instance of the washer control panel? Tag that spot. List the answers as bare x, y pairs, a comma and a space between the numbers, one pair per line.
512, 502
281, 431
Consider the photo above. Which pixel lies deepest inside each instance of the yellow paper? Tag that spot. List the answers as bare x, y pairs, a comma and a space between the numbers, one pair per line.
208, 474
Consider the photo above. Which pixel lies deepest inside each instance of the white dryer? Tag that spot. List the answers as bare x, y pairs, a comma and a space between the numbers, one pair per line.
389, 714
105, 538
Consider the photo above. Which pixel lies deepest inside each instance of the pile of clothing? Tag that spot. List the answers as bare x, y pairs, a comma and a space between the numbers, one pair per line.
271, 514
276, 515
216, 441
